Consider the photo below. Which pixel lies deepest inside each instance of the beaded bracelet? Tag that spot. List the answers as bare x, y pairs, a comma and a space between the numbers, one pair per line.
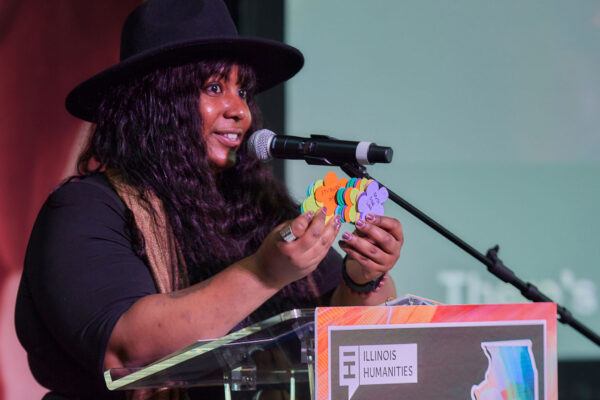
365, 289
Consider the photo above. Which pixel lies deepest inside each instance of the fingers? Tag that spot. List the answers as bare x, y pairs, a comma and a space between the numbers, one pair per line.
320, 235
315, 230
313, 235
376, 242
295, 248
369, 266
331, 231
366, 253
382, 232
390, 225
301, 223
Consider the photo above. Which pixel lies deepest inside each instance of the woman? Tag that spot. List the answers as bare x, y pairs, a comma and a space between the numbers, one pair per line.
173, 232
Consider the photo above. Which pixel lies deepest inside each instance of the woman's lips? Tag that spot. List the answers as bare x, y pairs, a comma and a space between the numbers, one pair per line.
229, 139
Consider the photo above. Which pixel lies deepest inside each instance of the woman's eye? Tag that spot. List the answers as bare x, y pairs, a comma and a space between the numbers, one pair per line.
213, 88
243, 93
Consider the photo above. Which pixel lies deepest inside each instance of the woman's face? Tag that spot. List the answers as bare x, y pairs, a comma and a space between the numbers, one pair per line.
225, 117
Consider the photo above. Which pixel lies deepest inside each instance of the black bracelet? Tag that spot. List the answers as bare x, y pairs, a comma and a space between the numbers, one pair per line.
355, 287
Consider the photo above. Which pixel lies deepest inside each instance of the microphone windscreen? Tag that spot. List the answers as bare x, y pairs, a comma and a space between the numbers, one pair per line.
259, 144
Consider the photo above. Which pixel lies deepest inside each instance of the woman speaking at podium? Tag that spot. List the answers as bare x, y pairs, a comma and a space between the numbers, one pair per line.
173, 232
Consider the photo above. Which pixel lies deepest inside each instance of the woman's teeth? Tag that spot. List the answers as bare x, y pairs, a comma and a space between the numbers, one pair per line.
230, 136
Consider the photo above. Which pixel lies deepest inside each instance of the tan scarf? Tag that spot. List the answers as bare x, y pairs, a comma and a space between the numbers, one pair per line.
165, 258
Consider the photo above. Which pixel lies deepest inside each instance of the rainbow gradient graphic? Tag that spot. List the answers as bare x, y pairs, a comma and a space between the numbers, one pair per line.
511, 373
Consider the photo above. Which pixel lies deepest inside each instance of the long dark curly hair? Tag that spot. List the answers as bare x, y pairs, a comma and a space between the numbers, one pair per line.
150, 130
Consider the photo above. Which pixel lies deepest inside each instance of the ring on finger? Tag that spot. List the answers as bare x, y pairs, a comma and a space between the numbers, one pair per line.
287, 234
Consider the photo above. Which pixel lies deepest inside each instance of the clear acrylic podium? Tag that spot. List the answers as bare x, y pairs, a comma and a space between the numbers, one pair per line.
275, 354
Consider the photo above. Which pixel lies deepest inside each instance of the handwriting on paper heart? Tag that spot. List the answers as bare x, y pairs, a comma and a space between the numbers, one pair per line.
372, 199
350, 199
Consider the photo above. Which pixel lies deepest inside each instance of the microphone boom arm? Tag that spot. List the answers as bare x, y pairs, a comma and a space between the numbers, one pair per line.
490, 260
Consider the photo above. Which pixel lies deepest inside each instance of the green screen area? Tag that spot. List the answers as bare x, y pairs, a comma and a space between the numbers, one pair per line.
493, 112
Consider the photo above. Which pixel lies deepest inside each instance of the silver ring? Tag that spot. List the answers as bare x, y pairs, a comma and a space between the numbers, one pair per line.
287, 234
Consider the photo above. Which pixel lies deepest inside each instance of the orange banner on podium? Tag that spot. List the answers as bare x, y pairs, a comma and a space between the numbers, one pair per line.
502, 351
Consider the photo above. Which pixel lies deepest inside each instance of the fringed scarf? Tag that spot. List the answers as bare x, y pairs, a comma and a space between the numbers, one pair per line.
165, 259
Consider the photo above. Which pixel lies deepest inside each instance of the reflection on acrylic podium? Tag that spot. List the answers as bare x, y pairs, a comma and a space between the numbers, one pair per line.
273, 355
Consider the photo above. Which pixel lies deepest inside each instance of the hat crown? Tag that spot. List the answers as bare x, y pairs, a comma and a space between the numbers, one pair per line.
157, 23
169, 33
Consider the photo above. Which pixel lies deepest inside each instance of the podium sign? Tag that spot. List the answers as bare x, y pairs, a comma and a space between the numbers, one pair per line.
478, 352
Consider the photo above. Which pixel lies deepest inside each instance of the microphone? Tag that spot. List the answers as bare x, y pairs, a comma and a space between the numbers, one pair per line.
318, 149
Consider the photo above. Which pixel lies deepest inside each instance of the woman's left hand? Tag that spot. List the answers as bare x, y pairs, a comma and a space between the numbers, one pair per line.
373, 248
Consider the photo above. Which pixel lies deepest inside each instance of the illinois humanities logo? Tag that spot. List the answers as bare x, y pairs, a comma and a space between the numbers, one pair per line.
377, 365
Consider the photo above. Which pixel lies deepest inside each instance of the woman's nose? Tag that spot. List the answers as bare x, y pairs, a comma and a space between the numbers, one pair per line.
236, 107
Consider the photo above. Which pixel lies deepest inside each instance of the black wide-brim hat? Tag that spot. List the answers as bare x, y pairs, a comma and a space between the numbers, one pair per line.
162, 33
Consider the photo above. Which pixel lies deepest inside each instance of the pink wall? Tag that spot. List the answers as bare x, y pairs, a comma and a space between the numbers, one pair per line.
46, 48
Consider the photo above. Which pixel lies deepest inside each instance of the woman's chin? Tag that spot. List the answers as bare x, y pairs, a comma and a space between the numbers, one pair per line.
223, 161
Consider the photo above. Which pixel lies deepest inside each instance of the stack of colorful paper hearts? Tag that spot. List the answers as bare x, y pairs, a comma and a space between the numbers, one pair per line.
351, 199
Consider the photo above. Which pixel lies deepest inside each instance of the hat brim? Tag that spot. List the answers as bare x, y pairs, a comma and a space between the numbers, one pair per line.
273, 62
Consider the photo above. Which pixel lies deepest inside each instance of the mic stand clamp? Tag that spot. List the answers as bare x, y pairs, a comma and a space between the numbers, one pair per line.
313, 160
497, 267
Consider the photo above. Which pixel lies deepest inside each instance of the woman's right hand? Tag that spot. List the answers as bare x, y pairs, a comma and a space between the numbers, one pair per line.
282, 262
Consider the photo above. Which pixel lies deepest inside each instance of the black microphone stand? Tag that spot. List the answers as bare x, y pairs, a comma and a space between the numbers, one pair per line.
490, 260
